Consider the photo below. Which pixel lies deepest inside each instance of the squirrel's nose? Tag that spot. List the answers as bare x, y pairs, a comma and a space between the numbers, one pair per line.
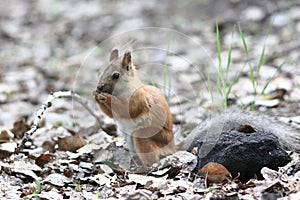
100, 88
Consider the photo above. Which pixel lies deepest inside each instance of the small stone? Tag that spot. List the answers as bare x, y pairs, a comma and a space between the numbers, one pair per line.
281, 19
253, 13
178, 64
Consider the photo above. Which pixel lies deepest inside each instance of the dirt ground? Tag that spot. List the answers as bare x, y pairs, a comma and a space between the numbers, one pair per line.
48, 46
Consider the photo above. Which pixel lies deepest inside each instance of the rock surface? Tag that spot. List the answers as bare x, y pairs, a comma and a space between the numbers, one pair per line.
246, 153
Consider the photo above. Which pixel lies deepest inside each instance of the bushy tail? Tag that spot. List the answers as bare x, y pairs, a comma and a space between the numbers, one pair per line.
242, 121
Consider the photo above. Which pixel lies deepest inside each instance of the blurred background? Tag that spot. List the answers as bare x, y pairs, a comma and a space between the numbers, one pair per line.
53, 45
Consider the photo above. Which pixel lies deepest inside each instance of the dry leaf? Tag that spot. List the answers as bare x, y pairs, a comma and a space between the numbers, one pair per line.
269, 174
26, 167
44, 159
5, 154
8, 146
19, 128
100, 179
70, 143
49, 146
5, 135
215, 172
57, 179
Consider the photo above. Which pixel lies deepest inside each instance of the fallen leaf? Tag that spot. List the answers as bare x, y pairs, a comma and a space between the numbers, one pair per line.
44, 159
26, 164
123, 191
5, 134
49, 146
215, 172
181, 159
140, 179
5, 154
276, 94
70, 143
26, 167
100, 179
247, 185
88, 148
161, 172
106, 169
19, 128
86, 165
50, 195
8, 146
272, 103
57, 179
274, 187
139, 194
269, 174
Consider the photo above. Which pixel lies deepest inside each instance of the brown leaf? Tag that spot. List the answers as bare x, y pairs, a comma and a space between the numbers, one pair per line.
19, 128
44, 159
70, 143
49, 146
274, 187
215, 172
277, 94
5, 154
247, 185
5, 135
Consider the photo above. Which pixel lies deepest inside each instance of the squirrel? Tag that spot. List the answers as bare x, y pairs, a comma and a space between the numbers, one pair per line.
142, 113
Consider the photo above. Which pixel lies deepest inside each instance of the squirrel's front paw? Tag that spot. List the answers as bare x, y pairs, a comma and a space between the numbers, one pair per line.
101, 98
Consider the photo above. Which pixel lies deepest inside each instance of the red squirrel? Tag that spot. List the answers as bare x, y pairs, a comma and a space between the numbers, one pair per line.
143, 114
140, 111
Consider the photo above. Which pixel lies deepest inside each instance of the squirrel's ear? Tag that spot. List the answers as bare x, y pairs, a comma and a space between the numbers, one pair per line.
126, 58
114, 54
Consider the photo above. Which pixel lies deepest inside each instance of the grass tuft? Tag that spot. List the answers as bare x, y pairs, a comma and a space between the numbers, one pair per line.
224, 85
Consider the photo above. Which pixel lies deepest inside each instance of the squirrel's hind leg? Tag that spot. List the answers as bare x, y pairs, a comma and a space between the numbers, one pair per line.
147, 150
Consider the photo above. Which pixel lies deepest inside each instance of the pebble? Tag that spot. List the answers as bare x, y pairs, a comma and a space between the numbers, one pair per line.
253, 13
280, 19
179, 63
295, 13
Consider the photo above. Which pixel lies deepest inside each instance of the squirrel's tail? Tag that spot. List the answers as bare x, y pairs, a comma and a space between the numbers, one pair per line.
245, 122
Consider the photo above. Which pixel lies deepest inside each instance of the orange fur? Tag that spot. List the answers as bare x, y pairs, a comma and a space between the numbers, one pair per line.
141, 110
157, 138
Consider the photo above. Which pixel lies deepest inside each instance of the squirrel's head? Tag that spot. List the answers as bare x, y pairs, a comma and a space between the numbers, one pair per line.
117, 75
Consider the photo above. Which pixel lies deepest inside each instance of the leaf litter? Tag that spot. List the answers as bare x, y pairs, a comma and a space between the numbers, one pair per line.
62, 160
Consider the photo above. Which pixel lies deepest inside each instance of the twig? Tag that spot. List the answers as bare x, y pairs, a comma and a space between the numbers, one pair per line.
84, 103
48, 104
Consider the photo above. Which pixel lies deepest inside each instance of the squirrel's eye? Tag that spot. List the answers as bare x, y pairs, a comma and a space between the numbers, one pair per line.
115, 75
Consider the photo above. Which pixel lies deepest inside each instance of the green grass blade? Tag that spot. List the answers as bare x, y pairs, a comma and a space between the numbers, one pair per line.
167, 72
272, 78
252, 74
262, 55
210, 89
229, 54
261, 59
244, 41
218, 45
221, 82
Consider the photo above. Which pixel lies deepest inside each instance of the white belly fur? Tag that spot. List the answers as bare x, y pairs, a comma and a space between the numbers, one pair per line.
128, 126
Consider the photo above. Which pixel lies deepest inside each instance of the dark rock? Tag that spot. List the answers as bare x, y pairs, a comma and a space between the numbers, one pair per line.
244, 153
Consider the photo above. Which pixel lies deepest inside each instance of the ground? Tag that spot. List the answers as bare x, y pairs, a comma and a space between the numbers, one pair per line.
49, 46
